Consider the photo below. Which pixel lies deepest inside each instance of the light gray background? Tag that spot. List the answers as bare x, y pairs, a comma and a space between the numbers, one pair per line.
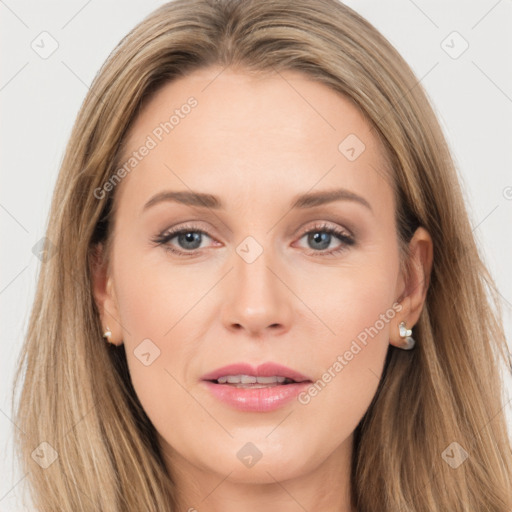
472, 95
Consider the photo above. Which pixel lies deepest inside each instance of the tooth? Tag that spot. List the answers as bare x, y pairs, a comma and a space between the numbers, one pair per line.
252, 386
250, 379
267, 380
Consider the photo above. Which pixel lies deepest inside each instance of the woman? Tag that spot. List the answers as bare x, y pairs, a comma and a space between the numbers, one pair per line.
258, 212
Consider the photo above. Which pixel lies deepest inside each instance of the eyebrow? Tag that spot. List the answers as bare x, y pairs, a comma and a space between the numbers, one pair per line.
308, 200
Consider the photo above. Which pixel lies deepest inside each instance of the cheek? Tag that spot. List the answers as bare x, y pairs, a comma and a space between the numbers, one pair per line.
356, 301
352, 297
162, 315
358, 313
153, 297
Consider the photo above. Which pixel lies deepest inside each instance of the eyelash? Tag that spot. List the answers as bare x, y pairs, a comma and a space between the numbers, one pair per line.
165, 237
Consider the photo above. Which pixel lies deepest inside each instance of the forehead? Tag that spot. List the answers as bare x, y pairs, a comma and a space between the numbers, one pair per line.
240, 135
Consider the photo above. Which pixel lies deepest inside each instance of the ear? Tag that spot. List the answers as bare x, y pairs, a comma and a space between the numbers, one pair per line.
414, 283
104, 295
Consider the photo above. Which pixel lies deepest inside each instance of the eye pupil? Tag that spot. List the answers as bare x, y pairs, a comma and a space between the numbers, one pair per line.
190, 238
317, 237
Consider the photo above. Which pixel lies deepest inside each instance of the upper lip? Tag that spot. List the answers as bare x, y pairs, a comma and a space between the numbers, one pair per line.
263, 370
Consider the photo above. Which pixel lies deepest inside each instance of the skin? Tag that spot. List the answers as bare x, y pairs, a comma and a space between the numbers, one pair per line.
257, 142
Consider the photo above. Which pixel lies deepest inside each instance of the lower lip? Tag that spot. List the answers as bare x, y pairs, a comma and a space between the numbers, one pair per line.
258, 399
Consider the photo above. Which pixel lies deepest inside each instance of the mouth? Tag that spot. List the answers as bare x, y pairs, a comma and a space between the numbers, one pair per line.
243, 375
260, 389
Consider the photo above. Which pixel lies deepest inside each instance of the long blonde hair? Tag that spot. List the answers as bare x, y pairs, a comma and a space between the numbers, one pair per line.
76, 393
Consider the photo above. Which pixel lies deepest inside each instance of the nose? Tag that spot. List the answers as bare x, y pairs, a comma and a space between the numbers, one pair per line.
258, 299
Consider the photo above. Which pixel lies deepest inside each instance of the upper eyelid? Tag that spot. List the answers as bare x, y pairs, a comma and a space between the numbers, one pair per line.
326, 225
319, 224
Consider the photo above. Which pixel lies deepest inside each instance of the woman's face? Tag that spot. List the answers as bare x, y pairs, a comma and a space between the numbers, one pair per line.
291, 258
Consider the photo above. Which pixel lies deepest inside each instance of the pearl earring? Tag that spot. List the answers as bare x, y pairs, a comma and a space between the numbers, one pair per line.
107, 334
406, 334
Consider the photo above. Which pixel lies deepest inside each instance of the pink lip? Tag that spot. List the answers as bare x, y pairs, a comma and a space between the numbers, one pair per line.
259, 399
256, 400
263, 370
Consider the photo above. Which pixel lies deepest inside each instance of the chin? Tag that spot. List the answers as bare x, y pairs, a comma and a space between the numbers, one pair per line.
261, 462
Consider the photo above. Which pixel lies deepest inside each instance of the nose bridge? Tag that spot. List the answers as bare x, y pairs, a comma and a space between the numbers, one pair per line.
252, 269
257, 298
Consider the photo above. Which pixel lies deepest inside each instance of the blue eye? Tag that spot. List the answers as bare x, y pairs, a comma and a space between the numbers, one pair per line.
320, 237
189, 238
